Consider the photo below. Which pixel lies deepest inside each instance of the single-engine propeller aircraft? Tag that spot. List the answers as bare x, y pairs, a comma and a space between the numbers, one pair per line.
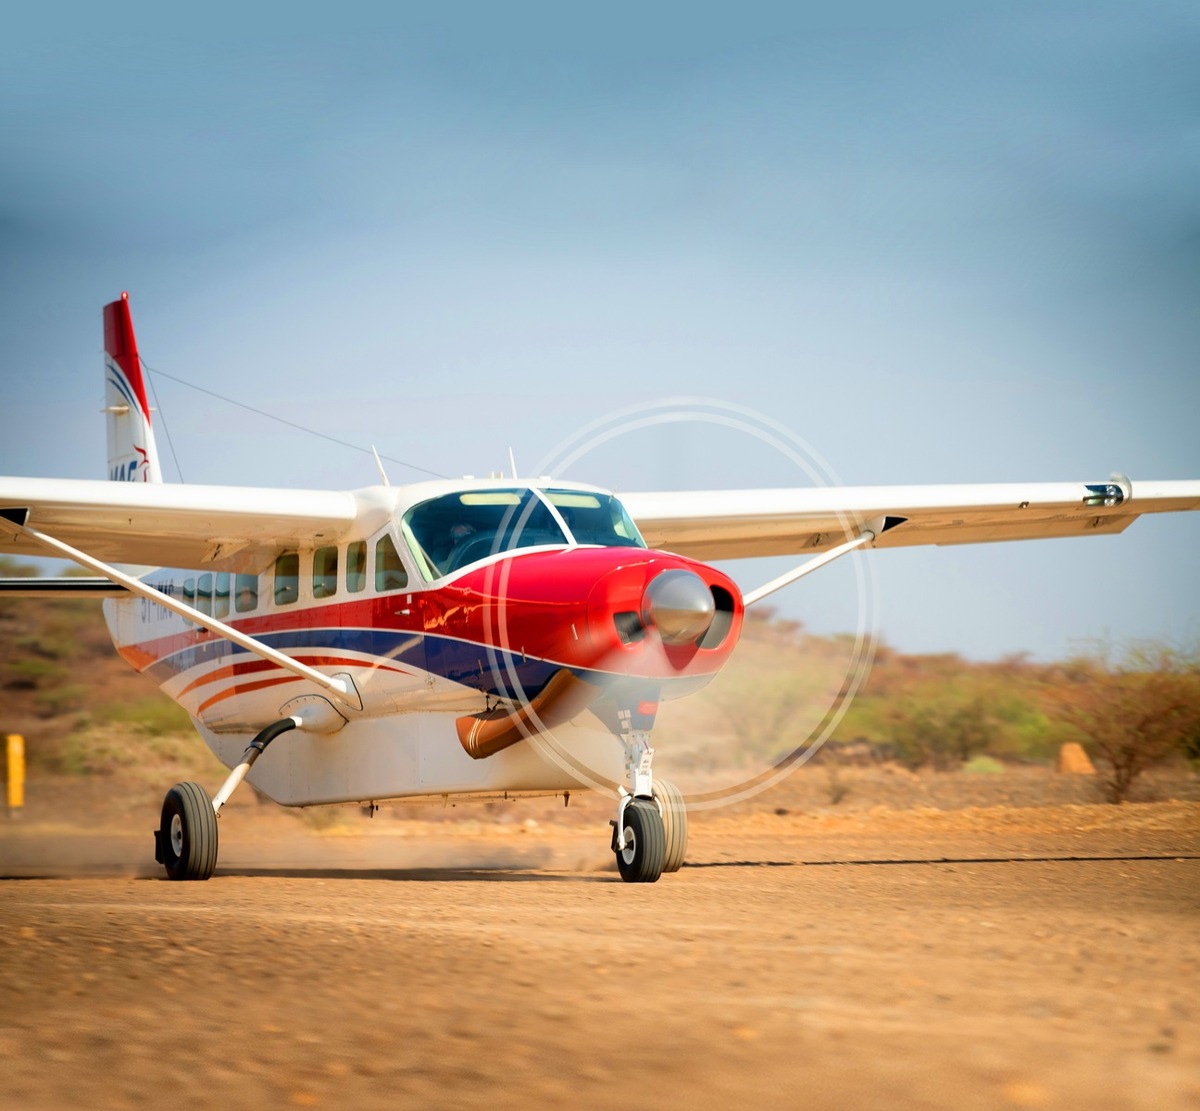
484, 639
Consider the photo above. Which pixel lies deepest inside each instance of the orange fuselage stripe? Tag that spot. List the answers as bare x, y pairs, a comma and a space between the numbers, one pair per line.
244, 688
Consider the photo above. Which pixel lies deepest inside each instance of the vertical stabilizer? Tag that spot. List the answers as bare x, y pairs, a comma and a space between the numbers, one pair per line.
132, 456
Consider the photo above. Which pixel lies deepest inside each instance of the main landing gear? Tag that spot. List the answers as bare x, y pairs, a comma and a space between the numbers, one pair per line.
185, 842
650, 830
649, 833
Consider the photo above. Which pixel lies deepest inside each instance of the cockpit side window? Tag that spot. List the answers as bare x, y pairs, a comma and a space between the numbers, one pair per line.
389, 568
356, 566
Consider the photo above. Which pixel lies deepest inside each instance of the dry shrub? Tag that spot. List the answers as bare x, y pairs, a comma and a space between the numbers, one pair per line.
1133, 712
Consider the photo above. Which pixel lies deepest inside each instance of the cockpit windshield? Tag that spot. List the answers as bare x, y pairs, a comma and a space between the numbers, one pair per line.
447, 533
595, 518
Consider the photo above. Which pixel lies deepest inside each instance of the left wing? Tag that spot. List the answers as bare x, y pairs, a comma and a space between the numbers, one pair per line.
730, 524
219, 527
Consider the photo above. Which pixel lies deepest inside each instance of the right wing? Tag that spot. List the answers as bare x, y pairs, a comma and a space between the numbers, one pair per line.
731, 524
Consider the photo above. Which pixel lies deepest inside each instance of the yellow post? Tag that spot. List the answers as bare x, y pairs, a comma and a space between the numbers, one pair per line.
16, 772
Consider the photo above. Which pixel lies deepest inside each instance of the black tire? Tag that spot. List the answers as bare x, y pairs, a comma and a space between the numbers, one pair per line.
675, 823
641, 861
187, 835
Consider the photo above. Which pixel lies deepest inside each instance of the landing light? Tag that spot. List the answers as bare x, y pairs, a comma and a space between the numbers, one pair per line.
1103, 493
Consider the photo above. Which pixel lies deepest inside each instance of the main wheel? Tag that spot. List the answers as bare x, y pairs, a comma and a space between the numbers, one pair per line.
641, 861
675, 823
187, 834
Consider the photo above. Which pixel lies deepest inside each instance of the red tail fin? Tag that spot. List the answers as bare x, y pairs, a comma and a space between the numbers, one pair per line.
132, 456
121, 346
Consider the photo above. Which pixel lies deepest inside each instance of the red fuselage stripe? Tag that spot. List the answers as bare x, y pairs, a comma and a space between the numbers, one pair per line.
244, 688
267, 665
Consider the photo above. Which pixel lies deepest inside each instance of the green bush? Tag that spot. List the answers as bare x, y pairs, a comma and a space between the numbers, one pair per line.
101, 750
983, 765
155, 715
57, 646
30, 672
60, 698
941, 735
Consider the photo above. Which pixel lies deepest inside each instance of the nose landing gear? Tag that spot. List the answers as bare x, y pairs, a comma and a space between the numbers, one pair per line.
650, 830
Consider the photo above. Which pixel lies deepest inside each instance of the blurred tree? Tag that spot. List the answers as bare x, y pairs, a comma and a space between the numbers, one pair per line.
941, 733
1133, 712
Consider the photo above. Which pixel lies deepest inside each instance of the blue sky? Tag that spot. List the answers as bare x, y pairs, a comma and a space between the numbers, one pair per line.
939, 242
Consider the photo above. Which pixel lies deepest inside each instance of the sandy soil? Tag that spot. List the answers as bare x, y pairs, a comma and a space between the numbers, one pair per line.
865, 955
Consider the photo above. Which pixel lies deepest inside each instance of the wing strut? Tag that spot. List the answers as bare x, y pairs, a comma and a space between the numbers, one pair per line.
864, 537
342, 689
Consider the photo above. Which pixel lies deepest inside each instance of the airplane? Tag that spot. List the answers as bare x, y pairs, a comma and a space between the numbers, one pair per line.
483, 639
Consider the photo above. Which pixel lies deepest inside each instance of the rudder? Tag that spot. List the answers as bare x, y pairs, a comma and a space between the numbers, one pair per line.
132, 454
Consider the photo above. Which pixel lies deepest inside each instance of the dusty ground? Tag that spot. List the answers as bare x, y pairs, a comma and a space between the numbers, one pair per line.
904, 953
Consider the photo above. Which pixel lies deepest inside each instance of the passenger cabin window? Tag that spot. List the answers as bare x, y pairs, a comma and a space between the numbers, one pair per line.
221, 595
389, 570
245, 593
287, 578
356, 566
325, 572
204, 594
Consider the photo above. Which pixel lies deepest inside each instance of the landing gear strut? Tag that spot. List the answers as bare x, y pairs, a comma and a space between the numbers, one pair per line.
185, 842
650, 830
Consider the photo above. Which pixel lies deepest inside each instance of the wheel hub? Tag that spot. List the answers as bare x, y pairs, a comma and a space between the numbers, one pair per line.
177, 835
629, 852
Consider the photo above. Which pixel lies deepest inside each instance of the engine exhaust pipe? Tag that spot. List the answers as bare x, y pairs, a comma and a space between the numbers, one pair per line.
564, 697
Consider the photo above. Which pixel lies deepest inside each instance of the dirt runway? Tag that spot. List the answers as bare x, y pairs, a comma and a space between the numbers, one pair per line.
448, 966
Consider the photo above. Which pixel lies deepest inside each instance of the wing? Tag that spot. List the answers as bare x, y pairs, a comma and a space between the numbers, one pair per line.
730, 524
222, 527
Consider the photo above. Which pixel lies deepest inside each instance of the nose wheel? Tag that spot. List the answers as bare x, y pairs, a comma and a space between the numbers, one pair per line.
640, 859
650, 831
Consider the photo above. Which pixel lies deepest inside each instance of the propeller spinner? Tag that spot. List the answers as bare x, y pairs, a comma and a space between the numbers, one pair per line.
679, 604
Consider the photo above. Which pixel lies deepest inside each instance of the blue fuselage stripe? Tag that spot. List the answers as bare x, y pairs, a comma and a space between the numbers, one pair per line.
474, 665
